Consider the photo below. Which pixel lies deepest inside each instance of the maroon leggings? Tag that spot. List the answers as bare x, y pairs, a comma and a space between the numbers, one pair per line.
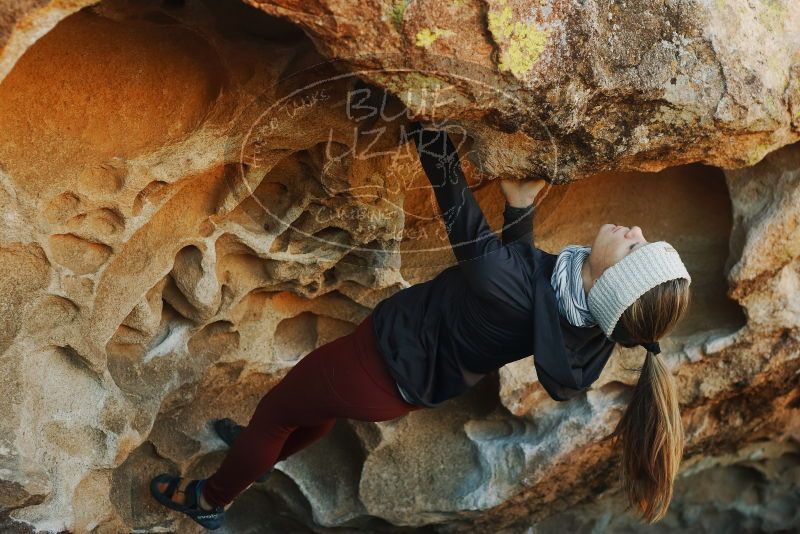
346, 377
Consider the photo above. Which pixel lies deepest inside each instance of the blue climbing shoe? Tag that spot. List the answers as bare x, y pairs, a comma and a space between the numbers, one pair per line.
210, 519
228, 430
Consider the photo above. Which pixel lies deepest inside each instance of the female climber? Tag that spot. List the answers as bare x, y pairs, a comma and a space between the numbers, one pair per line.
503, 300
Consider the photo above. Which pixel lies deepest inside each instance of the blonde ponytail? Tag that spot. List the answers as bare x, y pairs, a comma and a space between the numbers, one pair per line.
651, 436
650, 432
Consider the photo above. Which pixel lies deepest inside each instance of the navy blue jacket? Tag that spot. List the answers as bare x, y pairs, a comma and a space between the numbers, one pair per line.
495, 306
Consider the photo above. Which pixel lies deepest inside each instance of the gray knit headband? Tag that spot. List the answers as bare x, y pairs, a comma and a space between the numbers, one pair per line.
622, 283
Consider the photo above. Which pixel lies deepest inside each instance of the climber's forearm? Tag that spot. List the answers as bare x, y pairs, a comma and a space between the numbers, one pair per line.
517, 223
518, 213
469, 233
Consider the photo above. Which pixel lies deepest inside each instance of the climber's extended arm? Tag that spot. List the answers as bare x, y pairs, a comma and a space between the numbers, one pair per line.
518, 213
490, 267
469, 233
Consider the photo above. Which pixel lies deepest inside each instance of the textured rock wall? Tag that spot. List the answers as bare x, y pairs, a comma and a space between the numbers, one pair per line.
575, 87
187, 210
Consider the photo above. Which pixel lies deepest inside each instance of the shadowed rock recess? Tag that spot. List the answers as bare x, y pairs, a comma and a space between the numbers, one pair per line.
191, 202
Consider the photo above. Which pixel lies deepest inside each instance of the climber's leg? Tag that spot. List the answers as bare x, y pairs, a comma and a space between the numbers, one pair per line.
304, 436
344, 378
278, 414
229, 430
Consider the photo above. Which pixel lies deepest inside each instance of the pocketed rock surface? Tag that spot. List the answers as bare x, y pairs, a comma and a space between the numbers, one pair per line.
197, 194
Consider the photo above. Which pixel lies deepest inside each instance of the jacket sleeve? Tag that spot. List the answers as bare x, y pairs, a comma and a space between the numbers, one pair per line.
517, 224
556, 390
492, 269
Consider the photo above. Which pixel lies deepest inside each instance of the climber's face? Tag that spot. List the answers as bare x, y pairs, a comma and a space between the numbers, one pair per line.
612, 243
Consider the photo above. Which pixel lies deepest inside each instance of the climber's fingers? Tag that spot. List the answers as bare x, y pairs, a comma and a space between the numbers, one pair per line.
521, 192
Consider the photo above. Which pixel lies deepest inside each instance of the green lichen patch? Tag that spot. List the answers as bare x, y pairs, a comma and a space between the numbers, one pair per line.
771, 13
422, 93
426, 36
520, 43
757, 153
397, 10
412, 84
